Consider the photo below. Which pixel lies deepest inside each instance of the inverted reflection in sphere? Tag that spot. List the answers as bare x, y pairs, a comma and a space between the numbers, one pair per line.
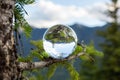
59, 41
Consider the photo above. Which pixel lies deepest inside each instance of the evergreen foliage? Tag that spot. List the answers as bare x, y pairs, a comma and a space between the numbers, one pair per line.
20, 24
111, 46
19, 19
39, 54
107, 68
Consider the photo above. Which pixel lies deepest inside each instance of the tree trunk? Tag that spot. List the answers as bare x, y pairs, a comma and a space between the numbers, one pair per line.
9, 69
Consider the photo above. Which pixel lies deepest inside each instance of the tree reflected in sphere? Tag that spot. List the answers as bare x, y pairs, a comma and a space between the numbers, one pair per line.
59, 41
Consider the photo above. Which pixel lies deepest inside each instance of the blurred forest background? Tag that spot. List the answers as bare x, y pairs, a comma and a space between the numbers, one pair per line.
105, 38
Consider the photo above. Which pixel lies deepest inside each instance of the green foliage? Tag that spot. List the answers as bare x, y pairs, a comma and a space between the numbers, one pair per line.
77, 50
90, 49
88, 70
25, 2
19, 20
111, 46
40, 54
90, 64
39, 51
90, 52
33, 75
25, 59
48, 73
20, 23
38, 44
106, 68
51, 71
73, 73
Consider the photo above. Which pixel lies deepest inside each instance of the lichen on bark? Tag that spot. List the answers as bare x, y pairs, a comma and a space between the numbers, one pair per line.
8, 57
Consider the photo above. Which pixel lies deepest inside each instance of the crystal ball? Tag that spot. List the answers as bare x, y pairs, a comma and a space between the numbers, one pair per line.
59, 41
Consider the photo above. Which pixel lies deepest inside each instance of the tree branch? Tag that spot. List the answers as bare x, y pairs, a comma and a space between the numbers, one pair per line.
42, 64
48, 62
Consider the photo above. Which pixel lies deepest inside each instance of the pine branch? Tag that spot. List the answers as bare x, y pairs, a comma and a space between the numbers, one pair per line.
42, 64
50, 61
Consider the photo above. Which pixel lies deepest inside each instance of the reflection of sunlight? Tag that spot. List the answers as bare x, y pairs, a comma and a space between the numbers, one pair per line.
59, 50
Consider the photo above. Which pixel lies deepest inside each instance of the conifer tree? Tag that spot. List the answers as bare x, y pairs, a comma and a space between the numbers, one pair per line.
111, 46
107, 68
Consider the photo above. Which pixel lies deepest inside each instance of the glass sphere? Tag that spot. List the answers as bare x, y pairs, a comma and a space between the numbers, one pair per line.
59, 41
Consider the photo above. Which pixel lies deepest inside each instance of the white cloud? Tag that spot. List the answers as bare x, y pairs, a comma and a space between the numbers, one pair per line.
45, 13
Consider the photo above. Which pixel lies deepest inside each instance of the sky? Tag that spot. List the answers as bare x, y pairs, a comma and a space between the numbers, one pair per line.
46, 13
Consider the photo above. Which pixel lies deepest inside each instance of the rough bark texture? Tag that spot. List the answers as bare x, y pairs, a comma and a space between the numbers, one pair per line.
8, 58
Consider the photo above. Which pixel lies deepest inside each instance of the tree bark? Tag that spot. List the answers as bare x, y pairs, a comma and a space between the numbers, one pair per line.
9, 69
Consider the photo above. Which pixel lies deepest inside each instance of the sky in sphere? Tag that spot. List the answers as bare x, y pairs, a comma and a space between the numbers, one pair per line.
46, 13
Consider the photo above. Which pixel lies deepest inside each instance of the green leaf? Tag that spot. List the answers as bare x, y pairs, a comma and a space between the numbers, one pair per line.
25, 59
41, 56
38, 44
20, 22
78, 49
27, 29
51, 71
90, 49
25, 2
73, 73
